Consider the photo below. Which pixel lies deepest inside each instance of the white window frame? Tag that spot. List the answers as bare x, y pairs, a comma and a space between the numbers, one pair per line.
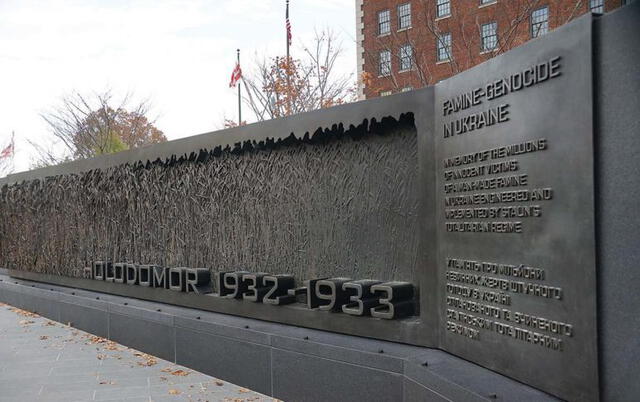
382, 70
401, 8
488, 31
441, 44
541, 25
443, 5
403, 55
381, 22
596, 6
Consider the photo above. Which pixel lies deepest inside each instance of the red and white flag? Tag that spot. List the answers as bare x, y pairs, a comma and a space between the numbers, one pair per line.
288, 23
235, 76
8, 150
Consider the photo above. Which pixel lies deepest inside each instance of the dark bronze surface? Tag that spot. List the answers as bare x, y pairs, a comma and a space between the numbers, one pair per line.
332, 193
366, 200
344, 208
550, 231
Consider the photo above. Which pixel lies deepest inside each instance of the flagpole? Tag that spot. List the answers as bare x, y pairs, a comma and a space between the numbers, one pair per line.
276, 92
288, 37
239, 96
287, 31
13, 149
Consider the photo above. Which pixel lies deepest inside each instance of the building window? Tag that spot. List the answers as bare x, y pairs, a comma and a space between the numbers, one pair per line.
385, 63
406, 57
404, 16
444, 47
443, 8
406, 89
489, 36
384, 22
597, 6
385, 93
539, 22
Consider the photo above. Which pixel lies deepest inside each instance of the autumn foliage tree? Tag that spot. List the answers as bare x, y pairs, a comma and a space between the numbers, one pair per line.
87, 126
284, 86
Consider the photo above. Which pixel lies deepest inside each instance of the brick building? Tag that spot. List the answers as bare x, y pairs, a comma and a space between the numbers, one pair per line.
406, 44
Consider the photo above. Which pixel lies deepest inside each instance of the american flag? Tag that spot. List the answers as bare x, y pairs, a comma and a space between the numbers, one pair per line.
8, 151
289, 36
235, 76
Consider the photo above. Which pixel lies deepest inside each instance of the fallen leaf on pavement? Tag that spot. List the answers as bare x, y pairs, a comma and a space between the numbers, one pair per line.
148, 359
24, 313
95, 339
148, 362
111, 345
180, 373
174, 392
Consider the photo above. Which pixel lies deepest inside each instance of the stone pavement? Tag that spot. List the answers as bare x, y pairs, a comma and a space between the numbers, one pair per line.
42, 360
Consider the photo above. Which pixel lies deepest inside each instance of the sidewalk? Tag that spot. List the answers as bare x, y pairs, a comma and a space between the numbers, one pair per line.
42, 360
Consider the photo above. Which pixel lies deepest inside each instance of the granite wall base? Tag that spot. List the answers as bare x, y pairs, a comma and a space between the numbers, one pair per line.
286, 362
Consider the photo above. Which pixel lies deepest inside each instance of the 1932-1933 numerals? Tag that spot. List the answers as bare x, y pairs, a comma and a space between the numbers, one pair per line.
367, 297
388, 300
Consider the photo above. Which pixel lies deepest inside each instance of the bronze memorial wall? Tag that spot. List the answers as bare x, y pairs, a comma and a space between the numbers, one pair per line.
459, 216
515, 209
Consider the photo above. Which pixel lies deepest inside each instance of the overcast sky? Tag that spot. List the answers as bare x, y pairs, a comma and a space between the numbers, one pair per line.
178, 53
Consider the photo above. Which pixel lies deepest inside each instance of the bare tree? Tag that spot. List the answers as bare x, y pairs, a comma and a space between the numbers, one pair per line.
281, 87
86, 126
47, 155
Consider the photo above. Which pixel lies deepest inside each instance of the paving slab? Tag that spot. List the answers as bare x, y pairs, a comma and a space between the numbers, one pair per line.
43, 360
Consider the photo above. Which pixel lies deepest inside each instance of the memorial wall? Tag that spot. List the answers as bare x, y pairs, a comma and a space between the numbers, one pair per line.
339, 204
514, 149
459, 217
